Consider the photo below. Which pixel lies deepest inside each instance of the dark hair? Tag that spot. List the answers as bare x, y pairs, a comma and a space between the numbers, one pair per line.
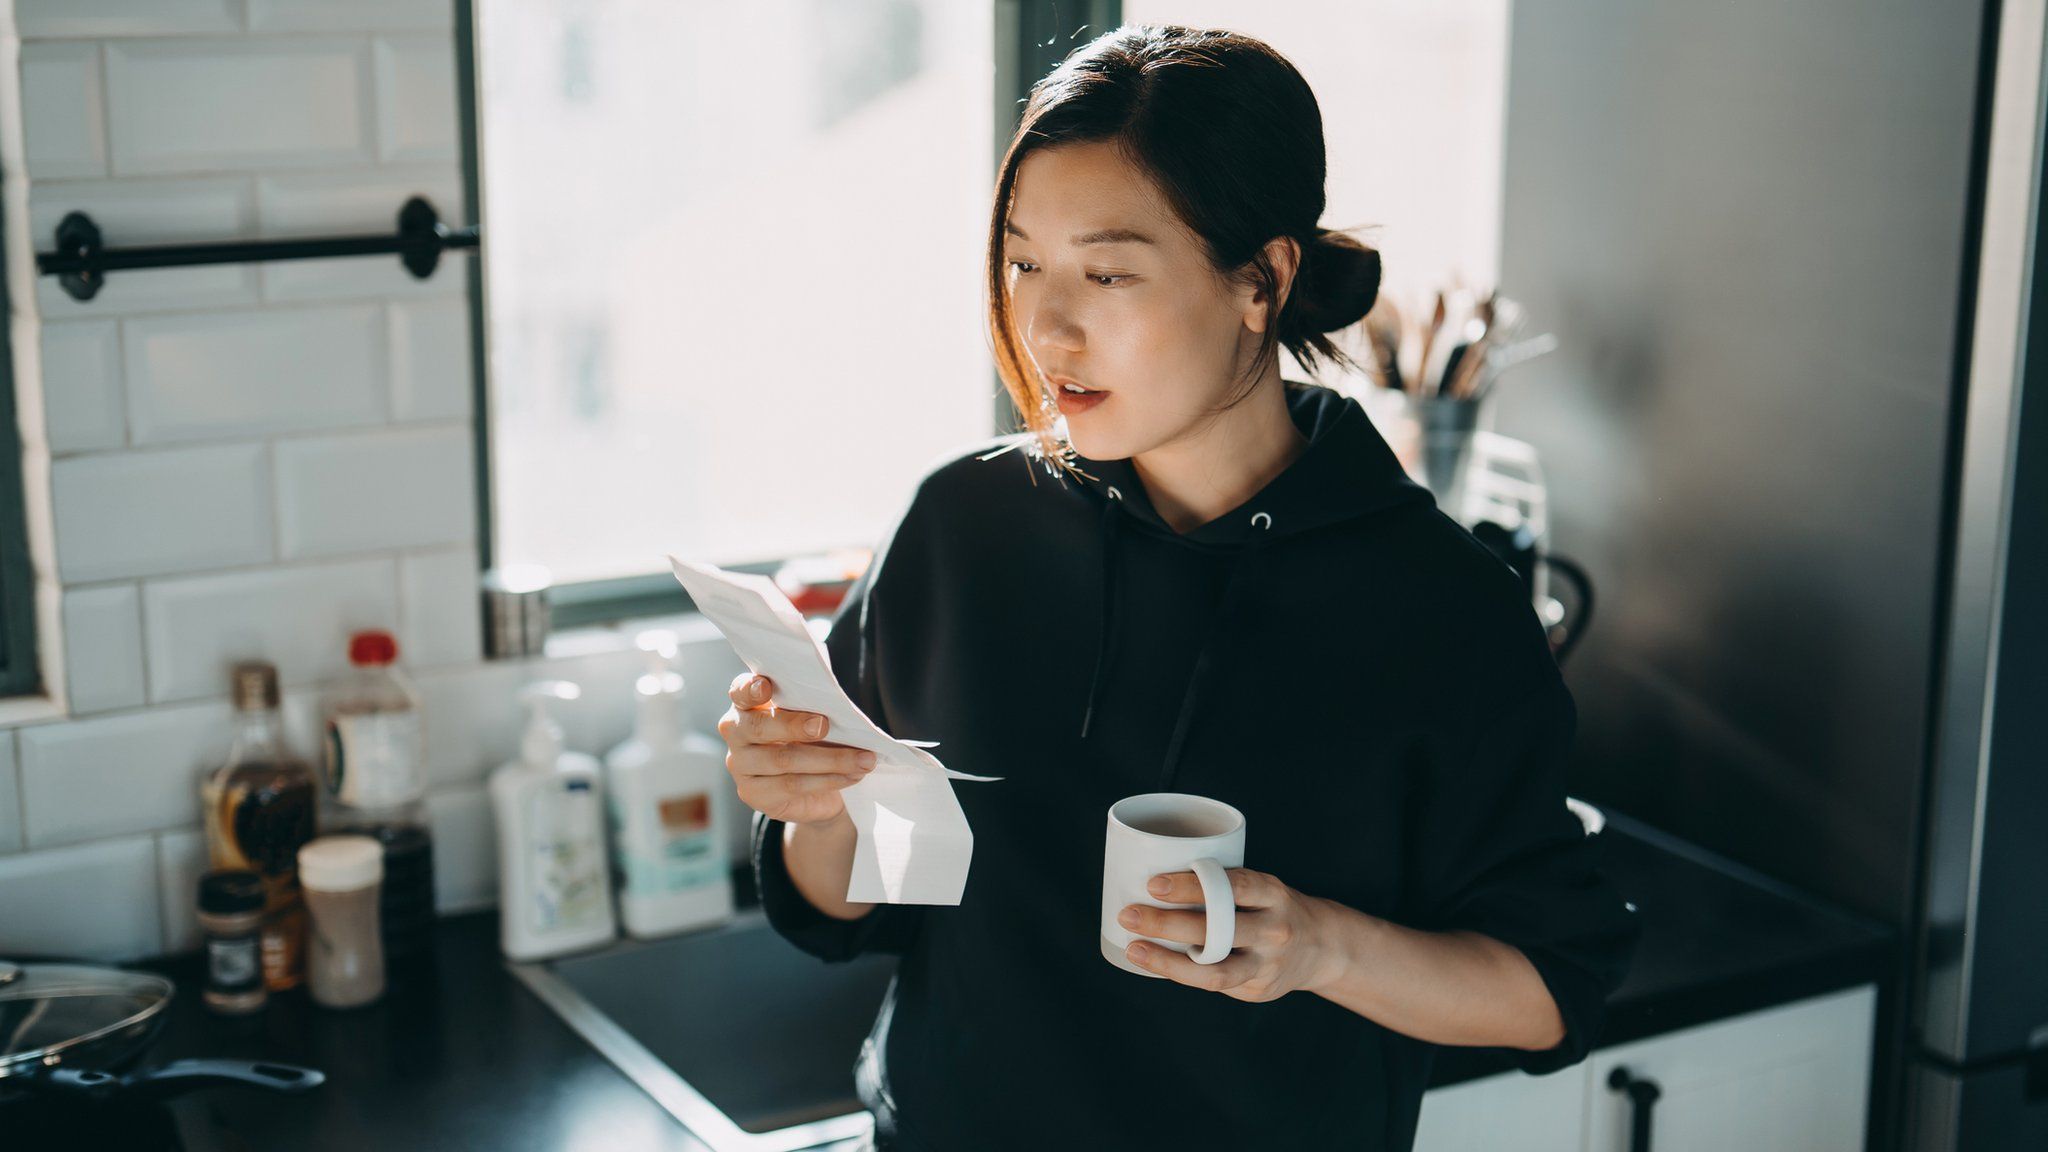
1232, 135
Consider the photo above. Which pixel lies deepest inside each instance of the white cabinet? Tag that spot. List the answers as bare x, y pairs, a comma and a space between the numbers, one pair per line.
1511, 1110
1794, 1078
1788, 1079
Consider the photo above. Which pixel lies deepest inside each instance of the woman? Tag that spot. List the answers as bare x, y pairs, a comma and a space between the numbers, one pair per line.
1227, 587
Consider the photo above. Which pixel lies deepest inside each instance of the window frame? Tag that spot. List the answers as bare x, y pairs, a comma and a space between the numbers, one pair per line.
1031, 36
20, 660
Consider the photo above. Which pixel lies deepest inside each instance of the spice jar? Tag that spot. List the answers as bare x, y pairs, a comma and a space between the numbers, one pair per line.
231, 914
341, 877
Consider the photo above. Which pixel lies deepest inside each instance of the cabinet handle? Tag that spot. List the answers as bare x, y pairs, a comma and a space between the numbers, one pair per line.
1642, 1094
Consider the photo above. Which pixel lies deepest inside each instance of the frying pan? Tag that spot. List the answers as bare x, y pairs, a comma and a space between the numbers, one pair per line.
68, 1030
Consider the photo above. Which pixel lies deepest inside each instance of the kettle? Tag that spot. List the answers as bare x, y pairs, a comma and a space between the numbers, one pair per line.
1520, 550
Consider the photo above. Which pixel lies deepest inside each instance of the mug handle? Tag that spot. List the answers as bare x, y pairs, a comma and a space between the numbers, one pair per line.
1221, 934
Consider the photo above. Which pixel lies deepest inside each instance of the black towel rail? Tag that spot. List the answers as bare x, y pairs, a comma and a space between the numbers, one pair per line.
81, 261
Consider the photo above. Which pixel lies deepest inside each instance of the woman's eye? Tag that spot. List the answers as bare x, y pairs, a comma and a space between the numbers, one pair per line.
1099, 277
1020, 266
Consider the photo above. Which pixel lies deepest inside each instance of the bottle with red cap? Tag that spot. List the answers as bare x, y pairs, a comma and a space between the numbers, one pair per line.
376, 784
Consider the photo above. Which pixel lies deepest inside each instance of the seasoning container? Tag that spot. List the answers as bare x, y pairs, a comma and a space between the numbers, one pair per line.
231, 914
260, 808
342, 876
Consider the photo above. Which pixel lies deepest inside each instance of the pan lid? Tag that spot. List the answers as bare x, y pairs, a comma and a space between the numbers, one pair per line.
47, 1010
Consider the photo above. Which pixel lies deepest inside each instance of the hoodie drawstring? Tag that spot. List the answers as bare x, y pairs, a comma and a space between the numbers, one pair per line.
1239, 572
1104, 638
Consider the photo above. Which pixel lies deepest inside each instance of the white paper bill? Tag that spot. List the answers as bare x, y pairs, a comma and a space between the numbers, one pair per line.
912, 843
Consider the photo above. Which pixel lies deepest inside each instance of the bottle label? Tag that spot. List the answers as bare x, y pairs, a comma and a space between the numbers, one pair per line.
566, 865
688, 852
375, 759
233, 963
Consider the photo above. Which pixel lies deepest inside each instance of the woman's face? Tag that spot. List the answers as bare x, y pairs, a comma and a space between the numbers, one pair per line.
1110, 290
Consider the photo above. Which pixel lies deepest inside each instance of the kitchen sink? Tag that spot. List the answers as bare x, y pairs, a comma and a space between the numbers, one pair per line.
747, 1041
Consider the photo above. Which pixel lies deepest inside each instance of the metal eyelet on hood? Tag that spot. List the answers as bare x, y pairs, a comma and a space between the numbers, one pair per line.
1114, 494
1258, 516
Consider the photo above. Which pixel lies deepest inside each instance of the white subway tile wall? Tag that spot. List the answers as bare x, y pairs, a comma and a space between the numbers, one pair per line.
103, 647
147, 513
439, 621
368, 491
66, 130
253, 460
99, 901
88, 410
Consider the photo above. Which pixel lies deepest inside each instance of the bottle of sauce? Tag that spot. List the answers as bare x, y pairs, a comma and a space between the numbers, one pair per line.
260, 810
376, 786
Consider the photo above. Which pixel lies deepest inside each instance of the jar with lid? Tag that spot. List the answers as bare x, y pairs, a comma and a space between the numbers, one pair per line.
344, 950
231, 914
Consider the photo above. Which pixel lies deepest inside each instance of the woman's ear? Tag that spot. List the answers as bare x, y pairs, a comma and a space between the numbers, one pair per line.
1284, 253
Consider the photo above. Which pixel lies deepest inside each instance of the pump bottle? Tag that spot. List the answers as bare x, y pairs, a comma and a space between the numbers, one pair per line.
662, 790
554, 886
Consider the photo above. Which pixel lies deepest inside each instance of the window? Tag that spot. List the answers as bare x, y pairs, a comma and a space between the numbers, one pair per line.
732, 300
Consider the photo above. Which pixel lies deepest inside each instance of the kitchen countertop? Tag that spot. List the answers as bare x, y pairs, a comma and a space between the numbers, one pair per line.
459, 1055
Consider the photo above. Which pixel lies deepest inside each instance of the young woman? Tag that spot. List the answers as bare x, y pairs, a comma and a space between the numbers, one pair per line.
1208, 580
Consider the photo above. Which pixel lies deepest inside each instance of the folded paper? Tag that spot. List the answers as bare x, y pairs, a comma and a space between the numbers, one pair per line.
912, 843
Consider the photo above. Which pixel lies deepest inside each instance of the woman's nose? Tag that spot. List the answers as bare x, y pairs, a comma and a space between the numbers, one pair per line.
1050, 324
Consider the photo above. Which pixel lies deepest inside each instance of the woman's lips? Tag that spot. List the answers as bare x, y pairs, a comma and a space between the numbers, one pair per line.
1072, 403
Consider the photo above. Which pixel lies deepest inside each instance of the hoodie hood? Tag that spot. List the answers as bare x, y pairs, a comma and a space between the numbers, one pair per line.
1346, 472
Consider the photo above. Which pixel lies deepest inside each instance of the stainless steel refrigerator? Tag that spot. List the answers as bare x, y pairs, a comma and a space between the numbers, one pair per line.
1791, 252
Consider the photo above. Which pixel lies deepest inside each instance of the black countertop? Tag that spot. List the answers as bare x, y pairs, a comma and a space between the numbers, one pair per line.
459, 1055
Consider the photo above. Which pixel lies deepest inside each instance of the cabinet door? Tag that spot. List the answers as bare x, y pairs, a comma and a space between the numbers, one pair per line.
1511, 1110
1788, 1079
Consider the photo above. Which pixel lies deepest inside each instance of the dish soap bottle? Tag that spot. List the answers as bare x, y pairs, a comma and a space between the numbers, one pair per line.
661, 791
260, 809
554, 887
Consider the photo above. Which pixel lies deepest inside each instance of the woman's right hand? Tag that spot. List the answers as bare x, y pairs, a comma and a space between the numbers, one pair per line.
777, 757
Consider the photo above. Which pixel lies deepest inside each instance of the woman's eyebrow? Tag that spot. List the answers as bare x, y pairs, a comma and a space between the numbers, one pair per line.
1099, 236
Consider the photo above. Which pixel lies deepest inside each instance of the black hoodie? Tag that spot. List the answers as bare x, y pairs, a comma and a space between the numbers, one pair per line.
1335, 657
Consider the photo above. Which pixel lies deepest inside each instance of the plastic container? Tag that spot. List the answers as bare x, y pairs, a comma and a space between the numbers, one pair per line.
662, 789
376, 785
344, 948
555, 892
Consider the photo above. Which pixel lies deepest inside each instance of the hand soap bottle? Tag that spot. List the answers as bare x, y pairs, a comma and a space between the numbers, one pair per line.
554, 886
661, 789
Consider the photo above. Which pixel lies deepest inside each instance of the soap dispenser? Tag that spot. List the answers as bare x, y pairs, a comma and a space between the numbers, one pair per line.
554, 886
662, 789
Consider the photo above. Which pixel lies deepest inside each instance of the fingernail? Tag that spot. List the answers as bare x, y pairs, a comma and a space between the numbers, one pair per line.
1158, 886
867, 760
815, 726
1127, 918
1138, 952
760, 686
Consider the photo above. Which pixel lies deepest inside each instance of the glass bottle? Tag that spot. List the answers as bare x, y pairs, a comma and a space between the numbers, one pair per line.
260, 809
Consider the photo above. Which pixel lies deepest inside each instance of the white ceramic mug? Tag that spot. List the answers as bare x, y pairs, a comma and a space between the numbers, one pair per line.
1159, 832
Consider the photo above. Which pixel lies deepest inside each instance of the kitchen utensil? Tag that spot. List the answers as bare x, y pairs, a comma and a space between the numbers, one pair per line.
67, 1030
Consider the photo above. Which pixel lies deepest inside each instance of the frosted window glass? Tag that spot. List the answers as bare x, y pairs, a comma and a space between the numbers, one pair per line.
732, 270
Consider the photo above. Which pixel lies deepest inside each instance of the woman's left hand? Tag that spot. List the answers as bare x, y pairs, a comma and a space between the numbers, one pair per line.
1280, 944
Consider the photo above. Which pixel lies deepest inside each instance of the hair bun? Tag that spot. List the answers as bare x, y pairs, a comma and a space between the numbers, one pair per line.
1337, 283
